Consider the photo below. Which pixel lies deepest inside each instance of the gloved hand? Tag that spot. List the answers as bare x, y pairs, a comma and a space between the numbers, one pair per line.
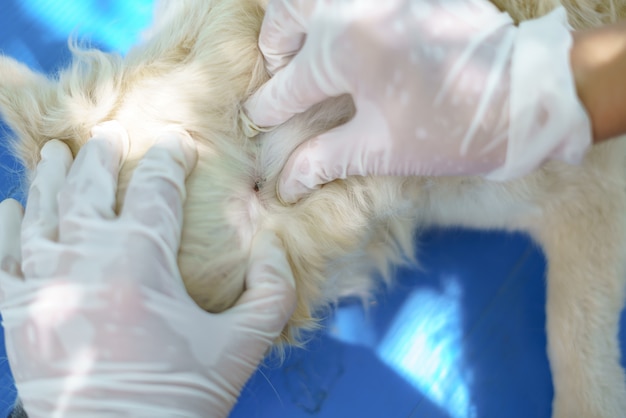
440, 87
97, 320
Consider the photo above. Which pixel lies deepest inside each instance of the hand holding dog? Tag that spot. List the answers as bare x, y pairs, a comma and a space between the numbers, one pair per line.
96, 317
440, 88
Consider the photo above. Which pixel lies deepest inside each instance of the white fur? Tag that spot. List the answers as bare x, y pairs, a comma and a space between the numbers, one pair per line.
196, 66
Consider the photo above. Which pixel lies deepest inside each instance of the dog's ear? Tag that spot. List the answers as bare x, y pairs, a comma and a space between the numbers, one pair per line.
24, 97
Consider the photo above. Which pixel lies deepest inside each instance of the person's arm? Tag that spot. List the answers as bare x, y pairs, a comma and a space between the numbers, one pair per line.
599, 68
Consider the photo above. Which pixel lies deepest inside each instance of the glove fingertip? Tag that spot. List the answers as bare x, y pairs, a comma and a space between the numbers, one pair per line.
290, 193
249, 128
114, 130
57, 150
173, 135
303, 173
260, 112
11, 208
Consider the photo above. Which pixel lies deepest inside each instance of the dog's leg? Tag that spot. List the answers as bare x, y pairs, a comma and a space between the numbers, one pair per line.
578, 214
584, 239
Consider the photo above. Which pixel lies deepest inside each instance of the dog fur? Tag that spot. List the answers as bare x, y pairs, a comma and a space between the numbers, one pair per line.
200, 61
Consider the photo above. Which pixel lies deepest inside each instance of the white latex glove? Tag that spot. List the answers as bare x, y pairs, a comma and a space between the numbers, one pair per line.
441, 87
97, 321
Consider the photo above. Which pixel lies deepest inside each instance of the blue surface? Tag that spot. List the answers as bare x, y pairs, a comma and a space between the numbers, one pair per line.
463, 336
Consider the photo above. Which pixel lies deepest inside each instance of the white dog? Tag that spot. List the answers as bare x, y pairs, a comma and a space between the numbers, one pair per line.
196, 66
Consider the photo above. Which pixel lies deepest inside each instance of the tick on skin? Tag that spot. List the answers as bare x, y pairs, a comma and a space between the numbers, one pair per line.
258, 183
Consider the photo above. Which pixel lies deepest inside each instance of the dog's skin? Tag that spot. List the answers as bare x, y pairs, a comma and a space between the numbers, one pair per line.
200, 62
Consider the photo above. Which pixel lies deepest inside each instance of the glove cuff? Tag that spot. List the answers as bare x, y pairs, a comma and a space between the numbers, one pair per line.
547, 118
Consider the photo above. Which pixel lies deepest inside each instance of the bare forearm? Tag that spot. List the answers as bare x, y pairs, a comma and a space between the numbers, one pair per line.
599, 67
